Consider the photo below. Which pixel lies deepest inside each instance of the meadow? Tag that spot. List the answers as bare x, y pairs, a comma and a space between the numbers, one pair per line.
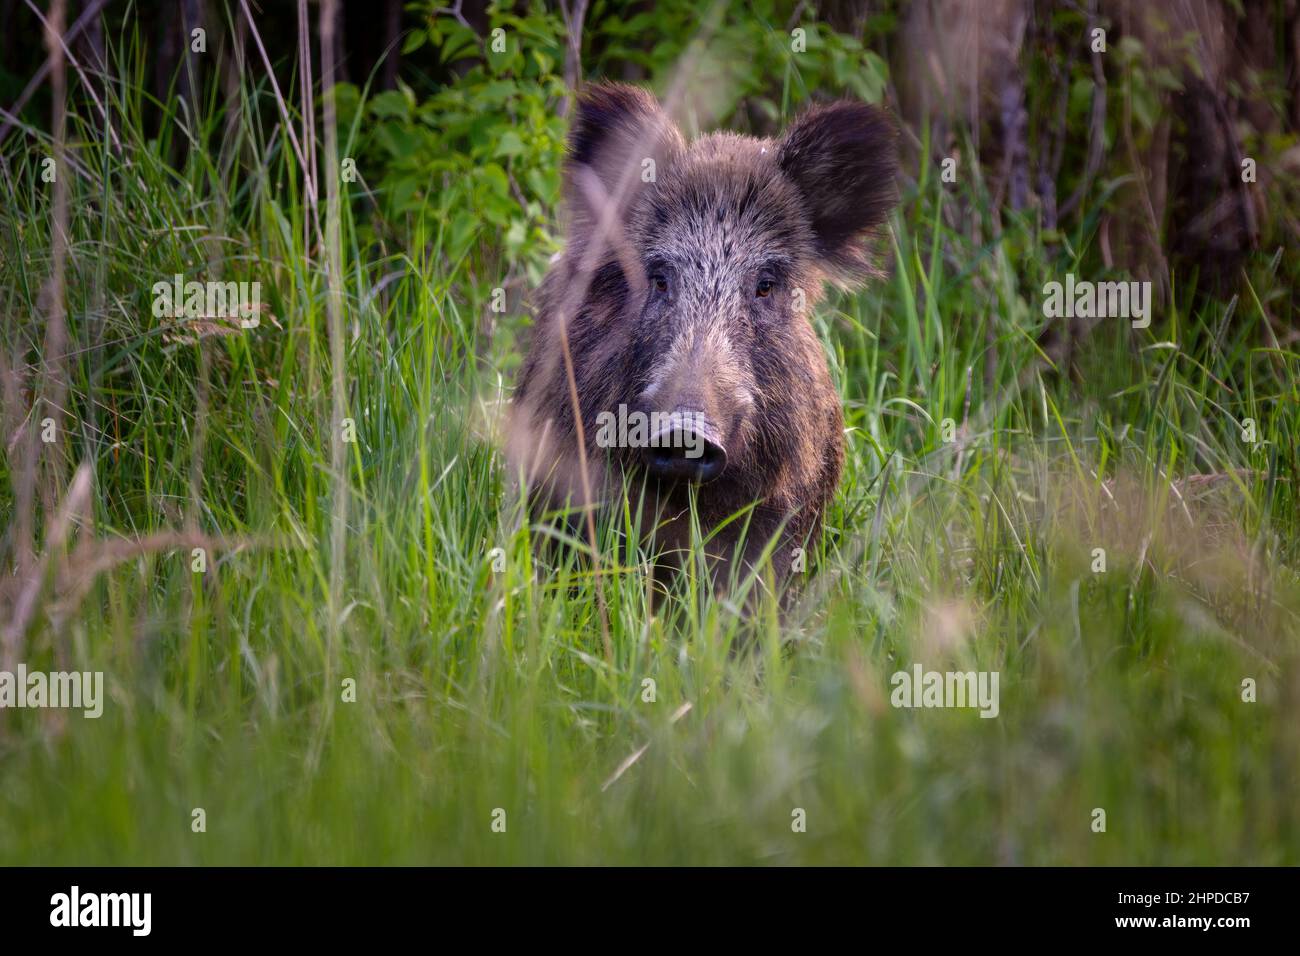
297, 556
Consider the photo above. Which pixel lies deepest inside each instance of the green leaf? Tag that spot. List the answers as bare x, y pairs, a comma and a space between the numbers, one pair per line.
510, 144
399, 141
391, 104
494, 177
460, 43
414, 40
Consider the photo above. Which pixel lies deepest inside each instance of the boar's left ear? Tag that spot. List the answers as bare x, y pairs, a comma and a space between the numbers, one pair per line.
843, 158
618, 131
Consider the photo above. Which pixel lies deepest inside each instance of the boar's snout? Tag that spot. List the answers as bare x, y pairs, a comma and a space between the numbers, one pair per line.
687, 447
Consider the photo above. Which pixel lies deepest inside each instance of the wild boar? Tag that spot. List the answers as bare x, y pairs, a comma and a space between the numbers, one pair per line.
681, 303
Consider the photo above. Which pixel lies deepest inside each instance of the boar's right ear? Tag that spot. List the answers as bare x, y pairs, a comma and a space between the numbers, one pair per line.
843, 157
618, 131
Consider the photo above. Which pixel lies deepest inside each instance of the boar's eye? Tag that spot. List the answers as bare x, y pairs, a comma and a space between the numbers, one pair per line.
764, 288
659, 282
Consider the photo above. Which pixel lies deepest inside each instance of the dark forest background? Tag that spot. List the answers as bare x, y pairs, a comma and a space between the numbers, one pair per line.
1157, 127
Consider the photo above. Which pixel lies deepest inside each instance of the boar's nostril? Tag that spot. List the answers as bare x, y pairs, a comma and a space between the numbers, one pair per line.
686, 449
676, 462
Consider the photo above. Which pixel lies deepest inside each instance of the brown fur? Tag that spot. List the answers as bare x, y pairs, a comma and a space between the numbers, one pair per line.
658, 290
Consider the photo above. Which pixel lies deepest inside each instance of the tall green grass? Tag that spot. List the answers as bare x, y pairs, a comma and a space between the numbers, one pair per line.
479, 689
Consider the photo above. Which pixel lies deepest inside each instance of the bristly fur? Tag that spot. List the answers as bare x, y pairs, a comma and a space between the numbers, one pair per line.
719, 219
